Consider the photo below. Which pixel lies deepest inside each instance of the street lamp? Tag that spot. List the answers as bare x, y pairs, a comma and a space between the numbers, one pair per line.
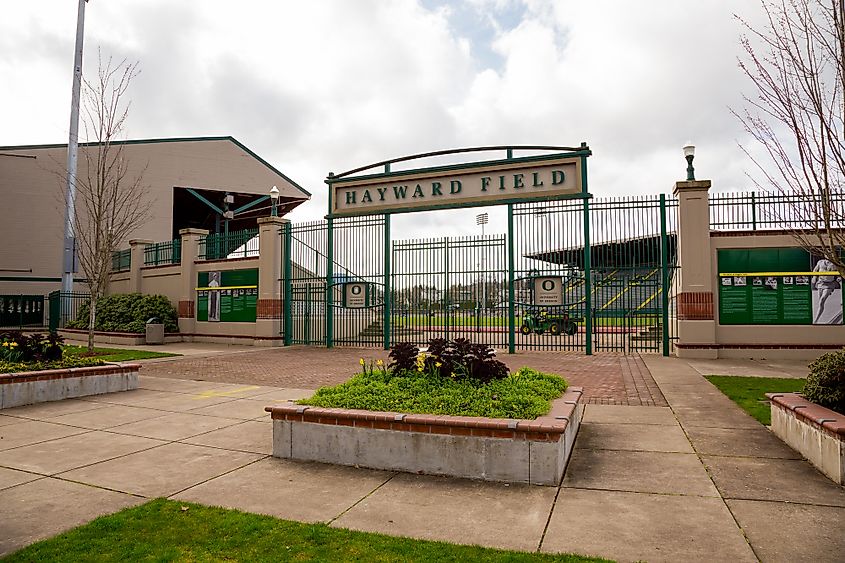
274, 200
689, 154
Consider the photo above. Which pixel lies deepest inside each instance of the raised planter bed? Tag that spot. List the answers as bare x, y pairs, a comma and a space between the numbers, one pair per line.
815, 432
29, 387
492, 449
120, 338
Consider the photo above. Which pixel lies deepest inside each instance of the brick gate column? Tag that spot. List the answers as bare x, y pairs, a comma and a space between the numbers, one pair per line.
696, 324
270, 293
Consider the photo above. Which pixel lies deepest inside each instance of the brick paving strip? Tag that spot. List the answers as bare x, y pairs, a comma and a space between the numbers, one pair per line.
613, 379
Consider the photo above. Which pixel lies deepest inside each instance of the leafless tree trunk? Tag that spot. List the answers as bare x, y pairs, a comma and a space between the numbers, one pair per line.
795, 62
112, 201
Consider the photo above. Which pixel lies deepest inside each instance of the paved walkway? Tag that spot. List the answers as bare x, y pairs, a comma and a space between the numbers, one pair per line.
696, 481
613, 379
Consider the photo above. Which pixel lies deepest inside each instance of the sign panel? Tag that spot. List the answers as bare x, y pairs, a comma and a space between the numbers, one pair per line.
227, 296
356, 295
475, 184
777, 286
548, 290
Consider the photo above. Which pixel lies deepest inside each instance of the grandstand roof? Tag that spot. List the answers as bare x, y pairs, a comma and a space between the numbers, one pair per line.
625, 253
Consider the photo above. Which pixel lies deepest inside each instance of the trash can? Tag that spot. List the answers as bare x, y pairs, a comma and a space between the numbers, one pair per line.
155, 331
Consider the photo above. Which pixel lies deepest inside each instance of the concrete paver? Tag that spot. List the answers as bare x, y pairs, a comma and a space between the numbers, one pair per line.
308, 492
161, 471
250, 436
455, 510
792, 532
648, 472
747, 442
52, 409
644, 527
597, 436
635, 487
784, 480
12, 477
174, 426
244, 409
751, 368
33, 431
46, 507
63, 454
107, 416
623, 414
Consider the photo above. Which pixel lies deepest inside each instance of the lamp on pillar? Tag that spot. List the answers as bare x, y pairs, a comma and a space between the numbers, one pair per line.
274, 200
689, 154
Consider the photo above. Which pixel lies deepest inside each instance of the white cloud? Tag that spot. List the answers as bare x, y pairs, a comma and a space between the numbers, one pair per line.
330, 85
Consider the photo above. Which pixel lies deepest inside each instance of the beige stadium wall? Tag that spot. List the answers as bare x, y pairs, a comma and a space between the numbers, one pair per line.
161, 281
32, 184
781, 336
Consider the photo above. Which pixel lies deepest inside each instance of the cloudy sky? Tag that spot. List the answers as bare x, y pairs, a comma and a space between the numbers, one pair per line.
328, 85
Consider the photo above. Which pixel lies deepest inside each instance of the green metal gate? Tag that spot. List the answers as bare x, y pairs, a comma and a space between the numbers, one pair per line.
616, 258
450, 288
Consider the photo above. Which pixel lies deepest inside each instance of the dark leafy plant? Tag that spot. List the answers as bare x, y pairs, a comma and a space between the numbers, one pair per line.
825, 384
402, 357
461, 359
129, 312
16, 346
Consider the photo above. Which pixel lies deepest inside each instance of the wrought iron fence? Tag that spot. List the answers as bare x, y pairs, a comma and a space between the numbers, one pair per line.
22, 311
755, 211
121, 260
234, 244
64, 308
161, 253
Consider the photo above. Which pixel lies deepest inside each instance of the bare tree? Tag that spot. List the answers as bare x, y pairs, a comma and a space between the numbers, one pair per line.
795, 62
112, 201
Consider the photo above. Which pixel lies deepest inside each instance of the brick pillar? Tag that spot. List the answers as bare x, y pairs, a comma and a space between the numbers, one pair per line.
188, 278
270, 270
136, 262
694, 304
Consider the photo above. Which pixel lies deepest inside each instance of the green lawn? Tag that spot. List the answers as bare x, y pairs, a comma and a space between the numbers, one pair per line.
750, 392
163, 530
525, 394
115, 354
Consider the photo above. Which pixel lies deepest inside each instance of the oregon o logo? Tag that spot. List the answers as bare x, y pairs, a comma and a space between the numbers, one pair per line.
548, 285
356, 289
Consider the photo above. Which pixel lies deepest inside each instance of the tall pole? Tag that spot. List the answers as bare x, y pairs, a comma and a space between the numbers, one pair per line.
68, 257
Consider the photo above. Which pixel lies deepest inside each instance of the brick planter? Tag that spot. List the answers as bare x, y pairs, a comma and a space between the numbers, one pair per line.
492, 449
815, 432
28, 387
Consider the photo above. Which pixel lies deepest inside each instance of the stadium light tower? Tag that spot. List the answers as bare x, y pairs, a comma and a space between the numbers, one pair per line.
69, 253
482, 219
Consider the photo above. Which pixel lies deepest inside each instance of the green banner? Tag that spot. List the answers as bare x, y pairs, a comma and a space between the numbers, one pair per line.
776, 286
228, 296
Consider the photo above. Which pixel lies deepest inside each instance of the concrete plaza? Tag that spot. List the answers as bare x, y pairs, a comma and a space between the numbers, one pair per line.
697, 480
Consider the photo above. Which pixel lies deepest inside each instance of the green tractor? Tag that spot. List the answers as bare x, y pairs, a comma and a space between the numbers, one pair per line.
539, 322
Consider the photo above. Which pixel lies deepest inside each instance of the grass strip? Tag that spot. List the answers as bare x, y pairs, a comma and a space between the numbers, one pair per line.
164, 530
750, 392
525, 394
115, 354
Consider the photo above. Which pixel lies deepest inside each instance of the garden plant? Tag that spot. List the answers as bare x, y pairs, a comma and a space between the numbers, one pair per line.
30, 352
451, 377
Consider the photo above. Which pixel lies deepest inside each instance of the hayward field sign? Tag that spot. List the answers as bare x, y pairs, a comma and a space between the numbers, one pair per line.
473, 184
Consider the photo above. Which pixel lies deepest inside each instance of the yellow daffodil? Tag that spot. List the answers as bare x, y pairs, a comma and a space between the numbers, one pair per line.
438, 364
361, 361
379, 363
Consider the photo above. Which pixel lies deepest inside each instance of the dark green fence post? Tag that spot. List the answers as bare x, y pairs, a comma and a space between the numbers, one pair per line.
287, 326
329, 287
511, 289
386, 280
588, 285
447, 301
753, 211
664, 270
